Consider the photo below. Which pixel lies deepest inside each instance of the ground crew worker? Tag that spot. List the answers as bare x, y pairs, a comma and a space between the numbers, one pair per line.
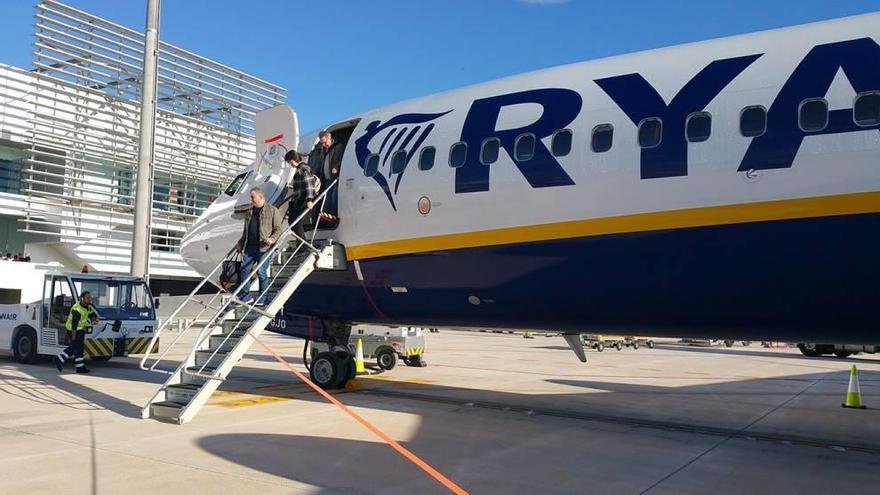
81, 316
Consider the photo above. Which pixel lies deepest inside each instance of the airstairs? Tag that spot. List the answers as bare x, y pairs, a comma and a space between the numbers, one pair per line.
224, 338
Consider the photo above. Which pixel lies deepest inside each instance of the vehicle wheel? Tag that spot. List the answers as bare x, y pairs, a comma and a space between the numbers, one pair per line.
728, 343
327, 370
809, 350
843, 354
99, 359
618, 346
600, 347
650, 344
415, 361
635, 344
25, 346
746, 343
386, 359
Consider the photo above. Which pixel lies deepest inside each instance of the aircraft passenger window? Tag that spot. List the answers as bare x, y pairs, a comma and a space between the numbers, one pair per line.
457, 154
650, 132
813, 115
398, 161
235, 184
371, 166
524, 147
426, 158
753, 121
699, 127
603, 138
489, 151
560, 143
866, 110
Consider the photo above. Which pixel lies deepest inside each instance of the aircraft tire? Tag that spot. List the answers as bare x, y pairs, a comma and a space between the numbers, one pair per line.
327, 370
349, 370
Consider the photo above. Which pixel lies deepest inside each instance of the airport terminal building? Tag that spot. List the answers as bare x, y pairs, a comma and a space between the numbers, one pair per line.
69, 144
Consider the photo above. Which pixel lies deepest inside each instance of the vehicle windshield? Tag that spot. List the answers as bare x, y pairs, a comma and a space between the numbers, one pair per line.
118, 300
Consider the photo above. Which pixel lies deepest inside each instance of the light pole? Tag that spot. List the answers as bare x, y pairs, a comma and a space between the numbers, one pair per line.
143, 199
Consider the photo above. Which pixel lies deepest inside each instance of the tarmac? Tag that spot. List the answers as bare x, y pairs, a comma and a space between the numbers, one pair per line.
495, 413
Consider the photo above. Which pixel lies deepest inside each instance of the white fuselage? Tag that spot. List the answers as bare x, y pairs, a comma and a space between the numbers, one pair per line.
635, 236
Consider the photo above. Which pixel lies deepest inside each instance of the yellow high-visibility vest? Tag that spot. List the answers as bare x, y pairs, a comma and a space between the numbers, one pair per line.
83, 317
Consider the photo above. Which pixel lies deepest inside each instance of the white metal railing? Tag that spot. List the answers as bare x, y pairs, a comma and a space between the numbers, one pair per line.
221, 310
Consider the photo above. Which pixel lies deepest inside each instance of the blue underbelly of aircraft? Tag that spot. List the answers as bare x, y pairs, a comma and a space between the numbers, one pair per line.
807, 280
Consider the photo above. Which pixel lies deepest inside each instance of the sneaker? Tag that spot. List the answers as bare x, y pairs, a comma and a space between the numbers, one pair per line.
247, 299
59, 364
83, 370
262, 302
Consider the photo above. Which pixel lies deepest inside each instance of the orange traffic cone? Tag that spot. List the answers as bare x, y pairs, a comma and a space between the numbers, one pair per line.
853, 393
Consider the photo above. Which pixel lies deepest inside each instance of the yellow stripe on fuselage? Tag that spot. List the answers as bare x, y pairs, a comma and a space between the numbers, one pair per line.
786, 209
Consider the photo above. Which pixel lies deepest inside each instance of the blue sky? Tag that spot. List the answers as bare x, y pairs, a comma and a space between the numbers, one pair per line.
337, 58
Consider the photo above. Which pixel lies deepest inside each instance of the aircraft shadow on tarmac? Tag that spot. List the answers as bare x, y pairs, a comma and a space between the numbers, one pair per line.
339, 465
735, 405
735, 402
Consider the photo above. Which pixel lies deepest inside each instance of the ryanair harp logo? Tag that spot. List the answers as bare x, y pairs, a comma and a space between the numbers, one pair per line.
380, 140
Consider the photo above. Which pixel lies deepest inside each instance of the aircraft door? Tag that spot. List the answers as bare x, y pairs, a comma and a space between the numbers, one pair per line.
58, 299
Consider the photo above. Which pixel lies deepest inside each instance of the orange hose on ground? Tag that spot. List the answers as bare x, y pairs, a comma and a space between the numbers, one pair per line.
437, 475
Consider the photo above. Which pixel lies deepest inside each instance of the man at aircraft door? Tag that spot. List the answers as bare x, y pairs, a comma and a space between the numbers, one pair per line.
325, 160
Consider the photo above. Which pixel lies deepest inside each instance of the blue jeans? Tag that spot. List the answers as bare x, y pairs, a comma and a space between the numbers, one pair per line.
248, 260
332, 204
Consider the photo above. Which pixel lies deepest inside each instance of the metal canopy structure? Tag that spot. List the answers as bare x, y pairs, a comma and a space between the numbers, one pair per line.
79, 177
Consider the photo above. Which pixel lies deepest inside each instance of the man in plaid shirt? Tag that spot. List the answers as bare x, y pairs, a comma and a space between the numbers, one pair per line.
301, 191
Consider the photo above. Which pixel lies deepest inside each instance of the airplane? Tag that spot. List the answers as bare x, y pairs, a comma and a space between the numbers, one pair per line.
723, 189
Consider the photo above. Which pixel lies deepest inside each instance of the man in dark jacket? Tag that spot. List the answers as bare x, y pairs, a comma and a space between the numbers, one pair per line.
262, 226
300, 192
325, 160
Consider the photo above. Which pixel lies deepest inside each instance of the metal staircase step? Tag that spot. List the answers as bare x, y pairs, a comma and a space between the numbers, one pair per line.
207, 371
229, 325
221, 342
212, 358
166, 411
181, 393
192, 380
